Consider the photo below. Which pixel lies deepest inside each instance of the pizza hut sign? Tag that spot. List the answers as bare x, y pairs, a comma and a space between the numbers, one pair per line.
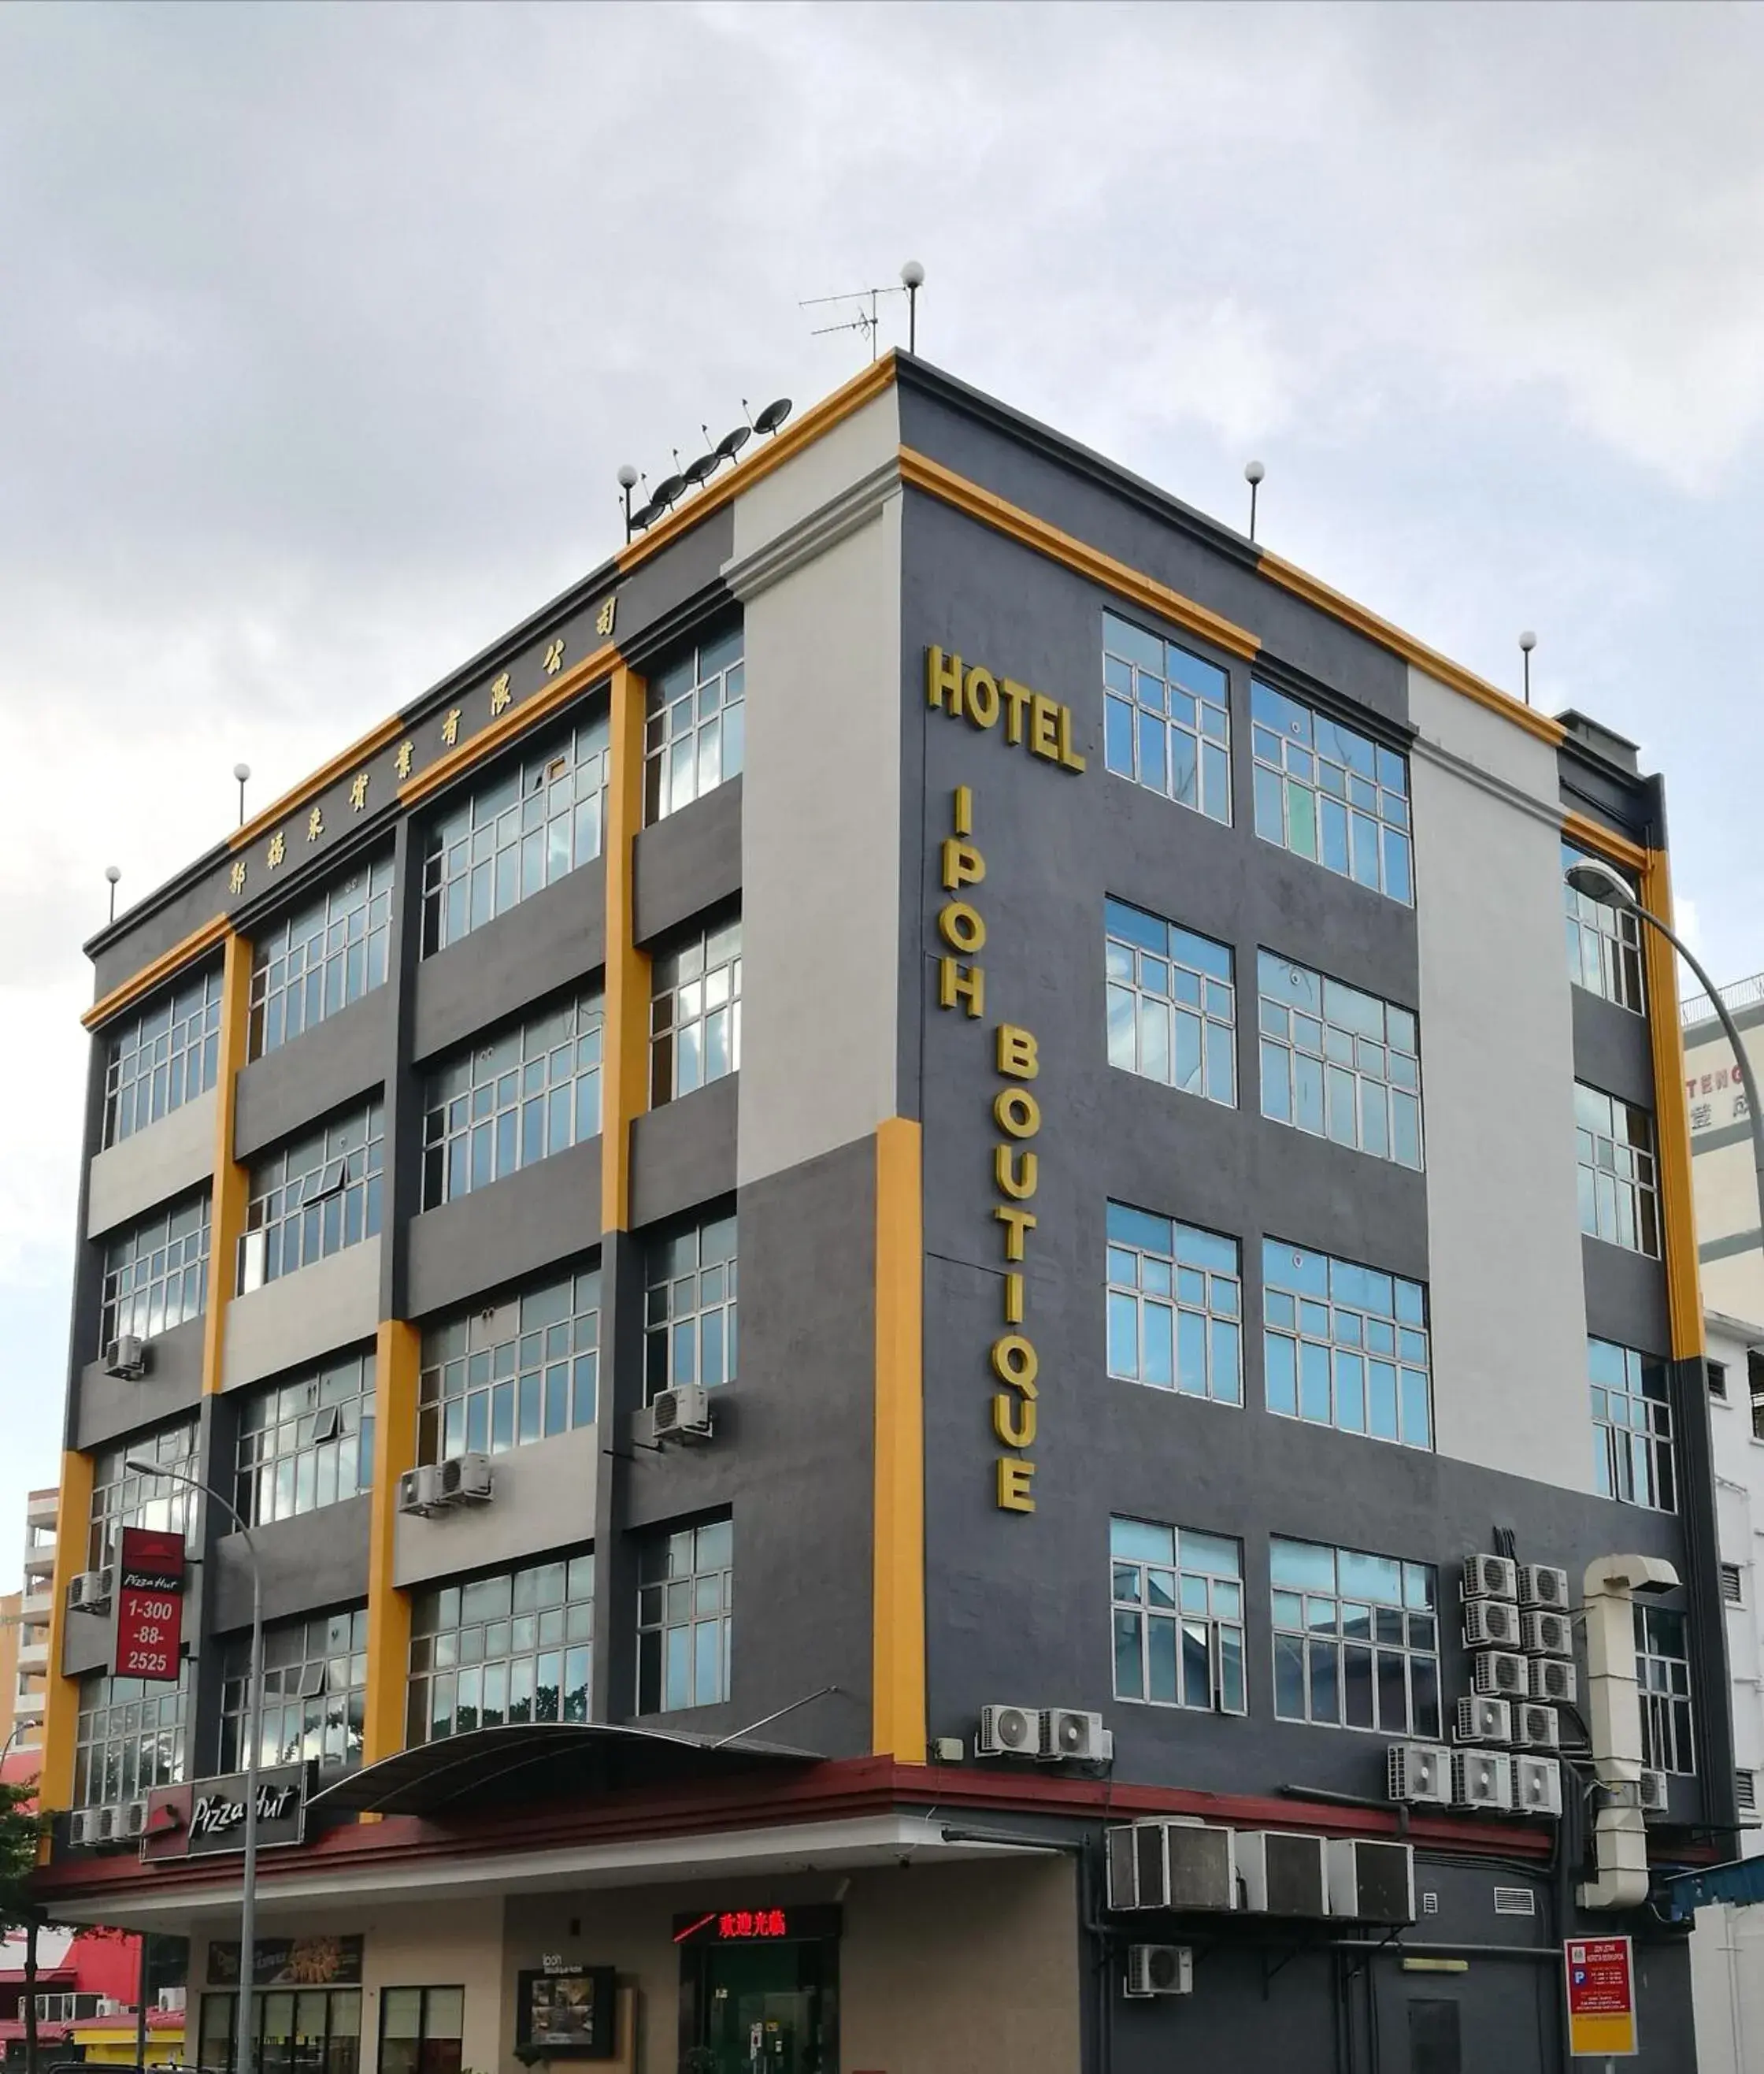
208, 1816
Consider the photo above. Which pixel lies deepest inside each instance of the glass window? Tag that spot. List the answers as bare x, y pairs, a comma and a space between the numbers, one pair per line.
495, 1378
315, 1693
695, 1013
1662, 1670
532, 1090
164, 1057
421, 2030
307, 1442
1603, 940
1755, 1382
697, 716
1632, 1425
1716, 1373
686, 1599
1176, 1306
313, 1198
156, 1276
689, 1308
1166, 718
1177, 1602
515, 834
129, 1737
1356, 1640
1619, 1188
304, 2031
514, 1647
1326, 792
121, 1498
1172, 1004
321, 956
1339, 1064
1345, 1345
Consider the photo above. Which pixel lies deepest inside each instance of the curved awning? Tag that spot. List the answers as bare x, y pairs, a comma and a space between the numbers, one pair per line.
541, 1761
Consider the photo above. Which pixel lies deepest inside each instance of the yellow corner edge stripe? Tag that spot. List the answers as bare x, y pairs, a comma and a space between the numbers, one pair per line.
897, 1702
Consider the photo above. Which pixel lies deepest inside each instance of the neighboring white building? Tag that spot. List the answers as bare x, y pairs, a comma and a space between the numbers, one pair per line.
1727, 1951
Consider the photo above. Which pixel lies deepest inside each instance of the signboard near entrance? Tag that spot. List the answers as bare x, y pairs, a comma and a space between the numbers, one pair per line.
149, 1605
197, 1820
568, 2012
1600, 1977
298, 1962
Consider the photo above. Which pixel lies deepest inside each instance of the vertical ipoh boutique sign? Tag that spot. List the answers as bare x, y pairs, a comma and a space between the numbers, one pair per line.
149, 1605
1041, 726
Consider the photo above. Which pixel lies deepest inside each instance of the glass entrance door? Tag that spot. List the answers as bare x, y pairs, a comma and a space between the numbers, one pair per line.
767, 2009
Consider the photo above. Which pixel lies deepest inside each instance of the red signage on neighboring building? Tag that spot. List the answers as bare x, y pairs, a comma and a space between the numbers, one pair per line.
150, 1604
1600, 1974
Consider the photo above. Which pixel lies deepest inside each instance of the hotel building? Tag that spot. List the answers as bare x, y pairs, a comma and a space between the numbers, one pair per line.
867, 1225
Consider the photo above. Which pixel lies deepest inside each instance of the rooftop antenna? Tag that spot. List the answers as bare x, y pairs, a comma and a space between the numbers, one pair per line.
111, 873
629, 480
1252, 473
869, 321
1527, 643
913, 279
241, 773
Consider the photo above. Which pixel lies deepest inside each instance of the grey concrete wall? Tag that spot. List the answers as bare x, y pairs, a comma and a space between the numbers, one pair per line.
334, 1062
532, 950
543, 1497
298, 1316
499, 1234
684, 1153
1611, 1049
1498, 1082
110, 1408
688, 862
792, 1459
1625, 1296
820, 862
151, 1166
315, 1562
1020, 1603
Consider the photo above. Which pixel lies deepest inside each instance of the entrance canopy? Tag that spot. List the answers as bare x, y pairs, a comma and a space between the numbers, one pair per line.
502, 1767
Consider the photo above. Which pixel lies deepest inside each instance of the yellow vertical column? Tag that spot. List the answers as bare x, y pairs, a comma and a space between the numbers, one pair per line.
624, 1080
227, 1203
897, 1696
1671, 1122
396, 1352
61, 1707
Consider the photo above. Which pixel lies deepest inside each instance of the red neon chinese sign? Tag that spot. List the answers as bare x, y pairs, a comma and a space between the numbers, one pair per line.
149, 1605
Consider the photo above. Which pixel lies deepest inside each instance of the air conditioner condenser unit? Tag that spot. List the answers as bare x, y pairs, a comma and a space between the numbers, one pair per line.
1009, 1732
1482, 1779
1283, 1873
1490, 1624
1500, 1673
1158, 1969
1484, 1721
1491, 1578
1420, 1774
1371, 1880
1542, 1585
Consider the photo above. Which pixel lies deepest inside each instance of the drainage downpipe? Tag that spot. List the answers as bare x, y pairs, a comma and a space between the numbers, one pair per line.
1615, 1723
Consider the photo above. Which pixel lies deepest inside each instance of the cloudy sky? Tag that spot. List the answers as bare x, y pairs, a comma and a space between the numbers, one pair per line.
323, 329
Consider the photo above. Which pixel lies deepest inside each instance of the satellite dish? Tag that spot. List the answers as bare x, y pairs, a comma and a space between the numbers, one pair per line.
646, 517
732, 442
665, 493
706, 466
773, 415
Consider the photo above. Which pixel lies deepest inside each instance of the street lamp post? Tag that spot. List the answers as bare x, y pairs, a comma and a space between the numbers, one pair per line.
1598, 881
246, 2039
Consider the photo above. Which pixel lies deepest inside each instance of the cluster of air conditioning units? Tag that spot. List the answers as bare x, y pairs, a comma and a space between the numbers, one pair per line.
1047, 1735
681, 1414
126, 1356
1185, 1867
1428, 1774
89, 1592
438, 1486
120, 1824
